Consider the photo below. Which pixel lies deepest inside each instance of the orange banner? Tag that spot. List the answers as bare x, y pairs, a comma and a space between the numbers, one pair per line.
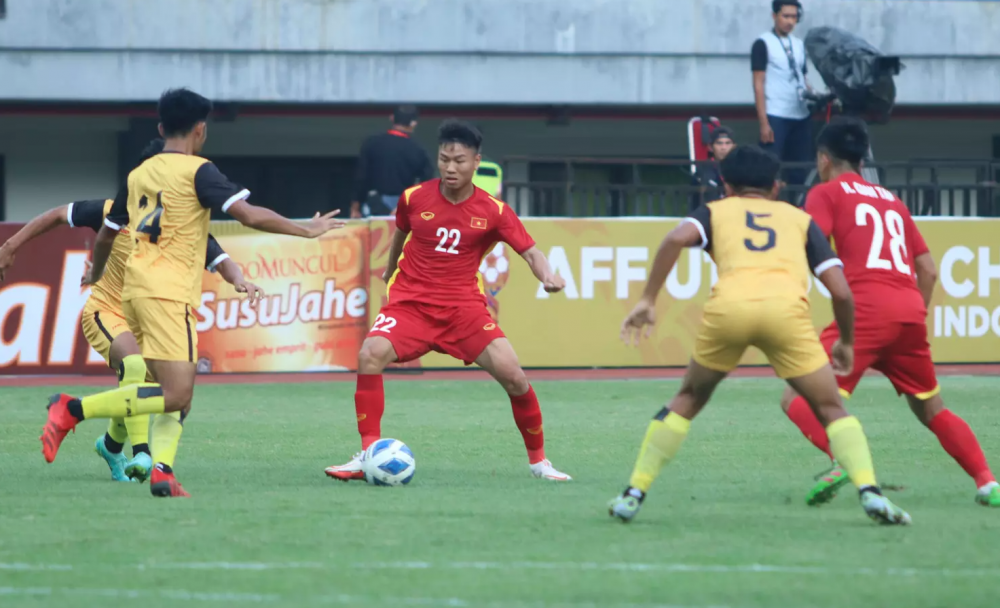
313, 317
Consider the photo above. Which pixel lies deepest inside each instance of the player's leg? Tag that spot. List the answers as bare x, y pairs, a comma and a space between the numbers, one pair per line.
721, 341
177, 381
400, 333
500, 360
665, 435
101, 334
790, 343
910, 368
132, 370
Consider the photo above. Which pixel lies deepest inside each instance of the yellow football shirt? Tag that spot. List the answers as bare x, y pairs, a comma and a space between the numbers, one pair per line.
166, 205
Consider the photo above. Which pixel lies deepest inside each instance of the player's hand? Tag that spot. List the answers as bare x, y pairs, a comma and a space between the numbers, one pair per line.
766, 133
88, 275
254, 293
639, 323
321, 224
554, 283
842, 356
6, 259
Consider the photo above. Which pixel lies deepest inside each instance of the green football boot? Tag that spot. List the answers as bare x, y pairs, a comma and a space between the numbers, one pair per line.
989, 495
116, 462
827, 485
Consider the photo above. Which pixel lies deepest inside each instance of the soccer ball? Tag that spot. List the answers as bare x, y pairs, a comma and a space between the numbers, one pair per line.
388, 462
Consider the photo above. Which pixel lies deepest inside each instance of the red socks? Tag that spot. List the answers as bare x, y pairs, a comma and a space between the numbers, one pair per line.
961, 444
369, 404
802, 415
528, 418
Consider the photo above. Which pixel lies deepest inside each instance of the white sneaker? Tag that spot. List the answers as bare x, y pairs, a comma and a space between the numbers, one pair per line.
347, 472
545, 470
881, 509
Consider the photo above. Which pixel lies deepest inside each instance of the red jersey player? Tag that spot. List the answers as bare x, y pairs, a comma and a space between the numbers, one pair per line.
892, 274
444, 227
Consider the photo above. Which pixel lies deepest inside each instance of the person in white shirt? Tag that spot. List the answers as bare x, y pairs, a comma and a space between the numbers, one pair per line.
778, 62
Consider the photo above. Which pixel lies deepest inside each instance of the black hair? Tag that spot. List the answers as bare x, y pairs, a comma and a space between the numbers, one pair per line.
153, 148
181, 110
455, 131
719, 133
405, 115
750, 167
777, 5
845, 139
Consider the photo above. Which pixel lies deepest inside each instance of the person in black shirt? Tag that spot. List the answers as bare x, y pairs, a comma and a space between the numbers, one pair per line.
707, 177
389, 163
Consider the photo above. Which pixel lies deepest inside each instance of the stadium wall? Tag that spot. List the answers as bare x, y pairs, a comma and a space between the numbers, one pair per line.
512, 52
323, 295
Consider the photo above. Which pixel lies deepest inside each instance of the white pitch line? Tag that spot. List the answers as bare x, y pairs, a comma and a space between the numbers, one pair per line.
339, 599
588, 567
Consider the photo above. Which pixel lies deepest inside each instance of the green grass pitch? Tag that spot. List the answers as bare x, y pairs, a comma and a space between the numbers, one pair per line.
725, 525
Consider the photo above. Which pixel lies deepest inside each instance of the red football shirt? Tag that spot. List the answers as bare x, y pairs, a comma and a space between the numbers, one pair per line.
446, 244
877, 240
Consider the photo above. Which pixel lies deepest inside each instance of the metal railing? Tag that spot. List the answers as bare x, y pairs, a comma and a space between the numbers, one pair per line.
928, 188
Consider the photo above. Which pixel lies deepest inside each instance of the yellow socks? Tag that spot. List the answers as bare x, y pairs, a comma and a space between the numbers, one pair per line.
132, 370
850, 447
117, 430
167, 429
662, 442
125, 401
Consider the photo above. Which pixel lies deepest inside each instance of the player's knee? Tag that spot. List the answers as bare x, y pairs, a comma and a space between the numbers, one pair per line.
177, 398
786, 399
514, 381
374, 356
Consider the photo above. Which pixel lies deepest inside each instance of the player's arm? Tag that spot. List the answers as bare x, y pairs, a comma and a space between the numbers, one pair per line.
217, 260
923, 262
694, 231
52, 218
116, 219
540, 267
830, 271
511, 231
215, 191
395, 250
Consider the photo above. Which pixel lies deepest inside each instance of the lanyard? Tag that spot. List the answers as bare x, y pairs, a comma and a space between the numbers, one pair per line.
790, 53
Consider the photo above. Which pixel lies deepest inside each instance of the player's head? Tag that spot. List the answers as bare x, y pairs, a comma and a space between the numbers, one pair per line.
405, 118
183, 114
721, 142
750, 170
841, 146
458, 153
153, 148
786, 15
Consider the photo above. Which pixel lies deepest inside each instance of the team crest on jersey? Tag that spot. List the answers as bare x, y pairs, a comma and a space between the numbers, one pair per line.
490, 326
479, 223
427, 215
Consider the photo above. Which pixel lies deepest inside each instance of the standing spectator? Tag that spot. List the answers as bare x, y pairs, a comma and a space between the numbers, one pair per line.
707, 176
778, 62
388, 164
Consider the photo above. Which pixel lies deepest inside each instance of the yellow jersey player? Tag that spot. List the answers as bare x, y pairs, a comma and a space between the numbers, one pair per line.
103, 321
764, 250
166, 205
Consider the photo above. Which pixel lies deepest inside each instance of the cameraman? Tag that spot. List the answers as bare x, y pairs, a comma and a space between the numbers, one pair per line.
778, 62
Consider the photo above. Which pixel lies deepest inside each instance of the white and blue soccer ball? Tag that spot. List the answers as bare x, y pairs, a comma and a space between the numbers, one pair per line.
388, 462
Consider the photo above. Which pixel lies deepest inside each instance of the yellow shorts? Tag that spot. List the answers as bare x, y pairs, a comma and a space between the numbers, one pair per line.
782, 329
101, 326
165, 329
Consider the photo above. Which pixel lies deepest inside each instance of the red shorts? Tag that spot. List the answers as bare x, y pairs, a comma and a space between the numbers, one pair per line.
415, 329
898, 350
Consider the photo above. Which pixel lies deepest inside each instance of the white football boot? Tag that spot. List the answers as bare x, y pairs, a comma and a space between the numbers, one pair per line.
545, 470
347, 472
882, 510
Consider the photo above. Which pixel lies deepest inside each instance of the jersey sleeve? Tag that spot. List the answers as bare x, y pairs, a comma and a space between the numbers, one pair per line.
402, 214
86, 214
512, 231
214, 189
117, 217
214, 254
917, 243
818, 251
758, 56
819, 204
701, 218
